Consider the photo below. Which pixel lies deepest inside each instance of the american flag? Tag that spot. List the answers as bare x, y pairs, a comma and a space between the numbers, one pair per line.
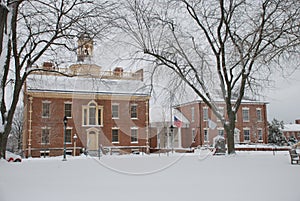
177, 122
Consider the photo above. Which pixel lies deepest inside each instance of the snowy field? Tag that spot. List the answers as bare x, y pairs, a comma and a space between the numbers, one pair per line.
246, 176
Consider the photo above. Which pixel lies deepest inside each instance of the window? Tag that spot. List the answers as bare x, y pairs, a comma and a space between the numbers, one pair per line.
258, 114
133, 111
205, 135
68, 136
45, 135
68, 109
46, 109
259, 135
92, 114
115, 135
245, 112
193, 135
115, 111
193, 114
246, 135
221, 132
222, 112
134, 135
205, 113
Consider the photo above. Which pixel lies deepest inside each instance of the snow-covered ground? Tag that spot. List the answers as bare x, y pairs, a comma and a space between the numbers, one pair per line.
253, 176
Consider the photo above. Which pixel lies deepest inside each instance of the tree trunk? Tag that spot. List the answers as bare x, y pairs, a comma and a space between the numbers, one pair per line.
230, 139
3, 142
229, 129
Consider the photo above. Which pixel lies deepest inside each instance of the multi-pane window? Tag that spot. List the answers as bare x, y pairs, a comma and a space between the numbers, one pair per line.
68, 136
45, 135
205, 135
134, 135
68, 109
259, 135
46, 109
193, 135
246, 135
115, 135
133, 111
258, 114
115, 111
205, 113
193, 114
245, 112
92, 114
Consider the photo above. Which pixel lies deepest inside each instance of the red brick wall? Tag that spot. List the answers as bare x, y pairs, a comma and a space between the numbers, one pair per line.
55, 122
199, 125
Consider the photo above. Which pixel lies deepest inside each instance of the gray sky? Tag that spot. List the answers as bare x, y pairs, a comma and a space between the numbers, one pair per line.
284, 100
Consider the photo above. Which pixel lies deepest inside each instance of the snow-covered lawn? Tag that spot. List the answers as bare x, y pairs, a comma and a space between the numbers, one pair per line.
255, 176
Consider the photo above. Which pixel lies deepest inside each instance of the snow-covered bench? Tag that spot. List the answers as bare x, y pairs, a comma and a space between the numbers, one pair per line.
294, 156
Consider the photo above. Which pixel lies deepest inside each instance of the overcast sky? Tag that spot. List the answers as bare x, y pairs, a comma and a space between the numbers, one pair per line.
284, 101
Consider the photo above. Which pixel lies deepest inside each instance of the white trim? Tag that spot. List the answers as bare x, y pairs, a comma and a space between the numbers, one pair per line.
261, 117
193, 114
46, 101
246, 109
248, 129
134, 104
115, 104
137, 135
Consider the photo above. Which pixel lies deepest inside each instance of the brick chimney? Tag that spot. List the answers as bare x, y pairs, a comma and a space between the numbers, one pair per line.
48, 66
297, 121
118, 71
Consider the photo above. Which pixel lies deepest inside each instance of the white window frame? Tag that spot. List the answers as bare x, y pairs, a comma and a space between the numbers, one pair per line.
49, 105
205, 114
49, 132
246, 129
71, 131
135, 105
112, 111
68, 103
112, 138
86, 113
248, 114
206, 135
137, 135
259, 114
260, 133
193, 114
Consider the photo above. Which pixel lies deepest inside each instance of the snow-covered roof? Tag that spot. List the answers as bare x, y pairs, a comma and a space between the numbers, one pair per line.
221, 101
291, 127
84, 85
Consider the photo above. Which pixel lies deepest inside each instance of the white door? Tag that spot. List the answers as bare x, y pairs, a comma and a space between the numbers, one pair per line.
92, 141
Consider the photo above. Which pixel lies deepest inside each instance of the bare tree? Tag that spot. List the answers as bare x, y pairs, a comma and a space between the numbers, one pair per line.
35, 30
15, 137
219, 48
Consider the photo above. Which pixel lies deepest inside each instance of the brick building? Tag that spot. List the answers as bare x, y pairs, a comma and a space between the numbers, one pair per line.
251, 123
200, 126
108, 108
